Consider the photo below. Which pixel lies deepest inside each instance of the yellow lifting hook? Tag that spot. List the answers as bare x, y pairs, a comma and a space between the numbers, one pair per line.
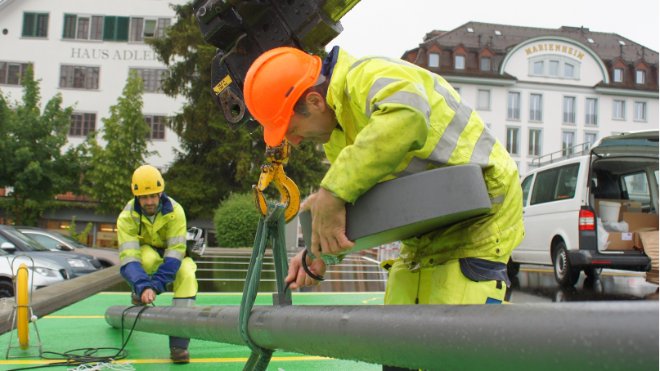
273, 172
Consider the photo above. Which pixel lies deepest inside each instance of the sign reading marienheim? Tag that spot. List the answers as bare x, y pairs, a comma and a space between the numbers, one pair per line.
117, 55
557, 48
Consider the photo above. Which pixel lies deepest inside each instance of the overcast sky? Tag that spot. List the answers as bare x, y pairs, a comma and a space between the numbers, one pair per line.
390, 27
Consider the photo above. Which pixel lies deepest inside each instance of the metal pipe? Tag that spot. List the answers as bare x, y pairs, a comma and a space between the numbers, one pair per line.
539, 336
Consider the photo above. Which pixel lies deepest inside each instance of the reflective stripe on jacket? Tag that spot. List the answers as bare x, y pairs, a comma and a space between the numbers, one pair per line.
396, 119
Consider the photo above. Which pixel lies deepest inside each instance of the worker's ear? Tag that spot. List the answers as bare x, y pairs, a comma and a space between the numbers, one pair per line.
315, 101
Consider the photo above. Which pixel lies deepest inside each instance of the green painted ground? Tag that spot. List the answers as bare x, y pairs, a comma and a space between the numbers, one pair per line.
83, 325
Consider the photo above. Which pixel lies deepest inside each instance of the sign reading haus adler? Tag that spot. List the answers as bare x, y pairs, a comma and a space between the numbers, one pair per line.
117, 55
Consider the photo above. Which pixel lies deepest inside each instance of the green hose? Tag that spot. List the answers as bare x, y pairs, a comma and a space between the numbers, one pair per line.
270, 229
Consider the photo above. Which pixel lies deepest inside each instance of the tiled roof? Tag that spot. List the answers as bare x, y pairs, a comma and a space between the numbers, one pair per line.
606, 45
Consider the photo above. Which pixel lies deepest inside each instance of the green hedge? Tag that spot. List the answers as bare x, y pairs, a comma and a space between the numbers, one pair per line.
236, 221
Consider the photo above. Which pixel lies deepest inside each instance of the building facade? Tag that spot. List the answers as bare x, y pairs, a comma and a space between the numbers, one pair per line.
546, 93
84, 50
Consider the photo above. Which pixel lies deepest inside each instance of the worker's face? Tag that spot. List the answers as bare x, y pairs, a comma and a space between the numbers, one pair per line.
149, 203
316, 126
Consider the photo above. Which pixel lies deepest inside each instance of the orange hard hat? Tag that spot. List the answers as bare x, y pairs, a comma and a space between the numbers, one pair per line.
273, 85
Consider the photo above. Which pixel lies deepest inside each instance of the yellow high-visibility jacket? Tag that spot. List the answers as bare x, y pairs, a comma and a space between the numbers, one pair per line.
167, 234
396, 119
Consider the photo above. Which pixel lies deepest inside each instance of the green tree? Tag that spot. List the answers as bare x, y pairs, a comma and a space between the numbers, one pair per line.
34, 162
82, 235
216, 159
108, 175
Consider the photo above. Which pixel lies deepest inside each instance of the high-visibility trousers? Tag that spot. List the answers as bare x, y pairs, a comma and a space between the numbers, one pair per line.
441, 284
185, 282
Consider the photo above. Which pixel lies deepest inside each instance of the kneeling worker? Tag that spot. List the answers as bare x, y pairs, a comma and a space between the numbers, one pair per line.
152, 249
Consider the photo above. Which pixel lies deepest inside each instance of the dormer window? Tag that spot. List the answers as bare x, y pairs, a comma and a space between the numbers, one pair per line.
618, 75
484, 64
640, 77
434, 60
459, 62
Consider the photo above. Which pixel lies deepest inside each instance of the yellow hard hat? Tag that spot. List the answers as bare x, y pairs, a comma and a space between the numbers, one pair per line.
146, 181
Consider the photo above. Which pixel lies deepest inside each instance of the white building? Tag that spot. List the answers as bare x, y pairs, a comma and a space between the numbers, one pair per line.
546, 91
84, 50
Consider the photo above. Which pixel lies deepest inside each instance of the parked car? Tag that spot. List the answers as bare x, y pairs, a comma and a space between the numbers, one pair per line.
41, 272
56, 241
564, 204
16, 243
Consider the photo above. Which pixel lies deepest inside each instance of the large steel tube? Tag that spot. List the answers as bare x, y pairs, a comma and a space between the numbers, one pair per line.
585, 336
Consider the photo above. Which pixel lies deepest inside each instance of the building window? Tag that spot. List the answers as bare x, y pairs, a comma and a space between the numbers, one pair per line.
434, 60
534, 142
484, 63
156, 126
569, 110
569, 70
619, 110
483, 99
459, 62
79, 77
557, 67
82, 124
144, 28
591, 111
640, 111
567, 143
589, 139
618, 75
12, 73
512, 140
35, 24
535, 107
640, 77
553, 68
513, 106
115, 28
152, 78
82, 27
538, 68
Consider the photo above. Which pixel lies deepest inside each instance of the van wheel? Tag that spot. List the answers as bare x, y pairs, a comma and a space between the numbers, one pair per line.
512, 268
565, 275
6, 289
593, 273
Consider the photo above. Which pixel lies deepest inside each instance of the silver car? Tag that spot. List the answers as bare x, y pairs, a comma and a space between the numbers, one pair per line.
56, 241
41, 272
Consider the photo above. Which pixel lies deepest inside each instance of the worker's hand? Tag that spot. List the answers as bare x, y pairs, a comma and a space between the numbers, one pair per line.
297, 276
328, 223
148, 296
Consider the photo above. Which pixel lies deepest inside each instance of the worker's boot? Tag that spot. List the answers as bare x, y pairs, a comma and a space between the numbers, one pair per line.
179, 355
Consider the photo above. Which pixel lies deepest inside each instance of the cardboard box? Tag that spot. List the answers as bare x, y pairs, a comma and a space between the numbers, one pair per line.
640, 221
626, 206
637, 222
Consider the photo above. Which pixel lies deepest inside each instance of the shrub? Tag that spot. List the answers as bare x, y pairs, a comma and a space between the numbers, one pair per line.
236, 221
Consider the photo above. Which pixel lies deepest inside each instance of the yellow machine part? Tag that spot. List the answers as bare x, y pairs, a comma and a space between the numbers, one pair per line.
22, 306
273, 172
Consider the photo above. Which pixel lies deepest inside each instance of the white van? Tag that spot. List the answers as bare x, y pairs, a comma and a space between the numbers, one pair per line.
564, 204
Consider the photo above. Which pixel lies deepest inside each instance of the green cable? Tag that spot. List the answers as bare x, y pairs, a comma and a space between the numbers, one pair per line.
270, 229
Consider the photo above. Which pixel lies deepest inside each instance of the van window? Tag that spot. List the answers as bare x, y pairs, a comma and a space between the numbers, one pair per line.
526, 185
555, 184
637, 186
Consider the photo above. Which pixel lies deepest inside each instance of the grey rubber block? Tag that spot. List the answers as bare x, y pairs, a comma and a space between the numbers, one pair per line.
412, 205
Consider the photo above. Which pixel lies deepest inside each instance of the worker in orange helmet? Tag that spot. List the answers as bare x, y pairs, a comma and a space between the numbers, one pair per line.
382, 118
